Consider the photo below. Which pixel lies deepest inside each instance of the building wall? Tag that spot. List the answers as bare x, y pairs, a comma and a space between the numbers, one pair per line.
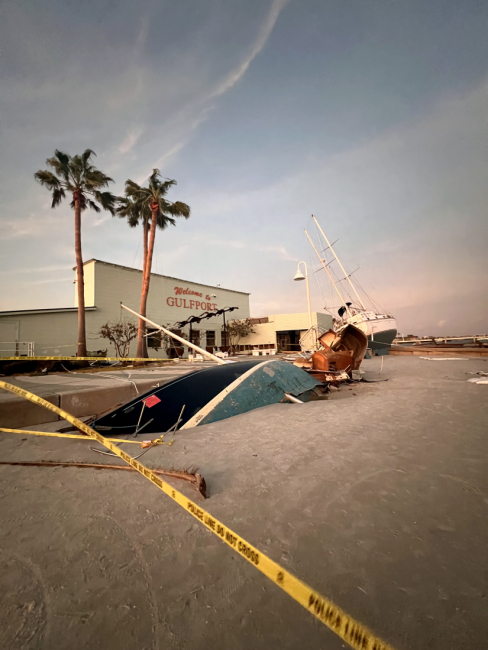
165, 304
106, 286
325, 321
54, 333
265, 333
89, 284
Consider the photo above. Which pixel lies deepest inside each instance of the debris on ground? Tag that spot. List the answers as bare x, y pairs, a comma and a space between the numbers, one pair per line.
339, 357
191, 475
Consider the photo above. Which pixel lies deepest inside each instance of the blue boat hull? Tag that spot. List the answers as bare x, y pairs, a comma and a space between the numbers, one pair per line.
209, 395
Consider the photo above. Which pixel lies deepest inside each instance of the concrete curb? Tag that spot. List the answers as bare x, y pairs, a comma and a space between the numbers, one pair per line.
16, 412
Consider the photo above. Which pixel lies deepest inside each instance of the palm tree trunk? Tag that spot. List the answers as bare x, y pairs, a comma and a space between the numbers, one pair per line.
145, 238
146, 277
80, 279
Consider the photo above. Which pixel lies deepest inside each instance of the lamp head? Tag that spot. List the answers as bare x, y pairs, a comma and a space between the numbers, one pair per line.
299, 275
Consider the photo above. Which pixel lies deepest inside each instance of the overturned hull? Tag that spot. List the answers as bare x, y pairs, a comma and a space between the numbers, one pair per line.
208, 395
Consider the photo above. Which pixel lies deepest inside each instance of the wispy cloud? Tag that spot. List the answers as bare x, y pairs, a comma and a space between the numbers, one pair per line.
276, 250
130, 140
40, 269
265, 30
280, 251
33, 226
199, 109
174, 150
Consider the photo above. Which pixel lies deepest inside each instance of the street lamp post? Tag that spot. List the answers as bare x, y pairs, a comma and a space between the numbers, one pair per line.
225, 330
299, 276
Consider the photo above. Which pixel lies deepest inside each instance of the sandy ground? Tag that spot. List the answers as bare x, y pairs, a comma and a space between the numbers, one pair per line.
377, 498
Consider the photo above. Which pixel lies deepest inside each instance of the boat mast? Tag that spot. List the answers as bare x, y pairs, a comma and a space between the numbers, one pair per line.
338, 262
327, 271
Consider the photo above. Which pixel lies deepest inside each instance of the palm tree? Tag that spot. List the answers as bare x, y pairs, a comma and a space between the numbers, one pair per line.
135, 214
163, 213
78, 176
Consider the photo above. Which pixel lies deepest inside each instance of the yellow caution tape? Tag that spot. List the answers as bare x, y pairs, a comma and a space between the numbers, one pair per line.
81, 359
348, 629
66, 435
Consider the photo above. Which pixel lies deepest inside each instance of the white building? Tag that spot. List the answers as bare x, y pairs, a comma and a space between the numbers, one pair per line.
282, 332
54, 331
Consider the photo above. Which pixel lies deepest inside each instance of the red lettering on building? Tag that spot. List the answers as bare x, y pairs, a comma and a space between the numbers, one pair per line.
171, 301
187, 292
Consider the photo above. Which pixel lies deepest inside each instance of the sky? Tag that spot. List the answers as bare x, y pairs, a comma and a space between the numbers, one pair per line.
371, 115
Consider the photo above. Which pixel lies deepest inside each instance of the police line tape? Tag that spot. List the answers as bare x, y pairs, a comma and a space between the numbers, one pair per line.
82, 359
348, 629
64, 435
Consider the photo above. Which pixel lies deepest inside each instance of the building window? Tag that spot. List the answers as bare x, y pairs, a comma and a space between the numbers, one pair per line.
154, 339
174, 349
210, 339
223, 338
195, 337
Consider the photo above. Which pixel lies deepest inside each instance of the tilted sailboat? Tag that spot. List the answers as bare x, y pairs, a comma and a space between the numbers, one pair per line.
380, 327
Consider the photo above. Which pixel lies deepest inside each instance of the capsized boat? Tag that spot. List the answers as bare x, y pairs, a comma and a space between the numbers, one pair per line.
380, 327
209, 395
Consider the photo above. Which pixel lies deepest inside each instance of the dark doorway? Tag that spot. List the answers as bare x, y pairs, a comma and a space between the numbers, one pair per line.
288, 341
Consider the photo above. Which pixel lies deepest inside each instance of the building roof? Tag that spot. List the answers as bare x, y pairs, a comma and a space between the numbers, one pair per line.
169, 277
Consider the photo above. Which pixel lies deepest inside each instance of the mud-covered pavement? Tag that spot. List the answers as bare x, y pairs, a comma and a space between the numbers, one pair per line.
378, 500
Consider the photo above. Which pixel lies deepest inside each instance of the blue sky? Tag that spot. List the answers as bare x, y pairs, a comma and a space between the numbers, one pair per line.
371, 115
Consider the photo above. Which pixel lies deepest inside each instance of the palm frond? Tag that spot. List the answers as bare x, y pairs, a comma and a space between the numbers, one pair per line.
48, 179
58, 195
78, 175
131, 185
107, 200
153, 179
64, 158
179, 209
96, 179
93, 205
164, 221
164, 187
87, 154
124, 206
82, 202
136, 205
133, 220
136, 191
60, 162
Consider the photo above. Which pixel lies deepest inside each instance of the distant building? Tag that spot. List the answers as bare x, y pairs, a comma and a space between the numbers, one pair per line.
53, 332
282, 332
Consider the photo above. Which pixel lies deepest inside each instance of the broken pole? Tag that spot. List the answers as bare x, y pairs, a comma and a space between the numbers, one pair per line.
209, 355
